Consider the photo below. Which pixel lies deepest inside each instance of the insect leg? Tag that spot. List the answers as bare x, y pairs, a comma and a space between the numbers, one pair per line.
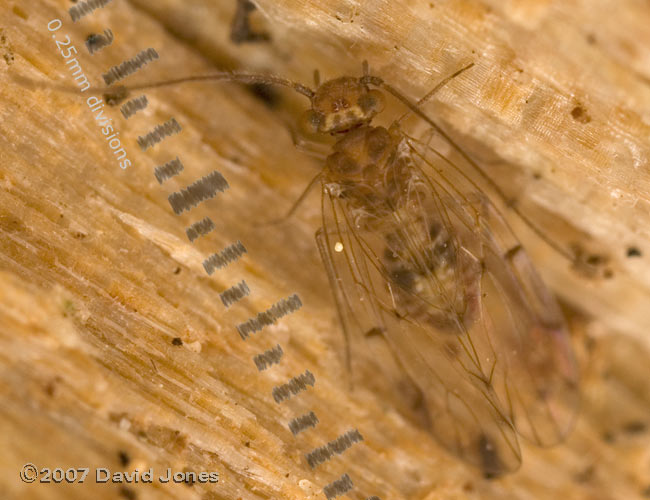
378, 82
296, 203
315, 149
435, 89
322, 240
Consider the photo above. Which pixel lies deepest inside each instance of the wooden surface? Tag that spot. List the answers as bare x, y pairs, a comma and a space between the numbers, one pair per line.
97, 277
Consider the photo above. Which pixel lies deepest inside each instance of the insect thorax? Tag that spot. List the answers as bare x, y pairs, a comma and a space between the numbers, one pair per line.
432, 280
366, 170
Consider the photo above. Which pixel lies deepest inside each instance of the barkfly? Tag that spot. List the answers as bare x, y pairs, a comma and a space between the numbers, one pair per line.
414, 249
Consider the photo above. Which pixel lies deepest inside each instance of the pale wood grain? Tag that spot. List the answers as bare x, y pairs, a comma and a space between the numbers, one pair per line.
98, 276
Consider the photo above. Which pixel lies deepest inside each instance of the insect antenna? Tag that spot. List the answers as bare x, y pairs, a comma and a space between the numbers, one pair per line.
413, 107
248, 78
122, 90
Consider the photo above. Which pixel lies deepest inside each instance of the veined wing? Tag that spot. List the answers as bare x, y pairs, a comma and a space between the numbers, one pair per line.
466, 416
538, 376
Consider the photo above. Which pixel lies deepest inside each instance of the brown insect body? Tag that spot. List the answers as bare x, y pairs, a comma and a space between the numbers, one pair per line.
373, 173
372, 170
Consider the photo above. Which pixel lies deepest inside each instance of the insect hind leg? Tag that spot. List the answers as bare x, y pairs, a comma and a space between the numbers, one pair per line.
435, 89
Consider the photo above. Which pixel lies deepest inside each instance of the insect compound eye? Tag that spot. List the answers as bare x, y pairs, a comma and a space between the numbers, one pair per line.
311, 121
371, 102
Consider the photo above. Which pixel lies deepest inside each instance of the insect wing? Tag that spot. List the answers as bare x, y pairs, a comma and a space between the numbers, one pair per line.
536, 375
432, 343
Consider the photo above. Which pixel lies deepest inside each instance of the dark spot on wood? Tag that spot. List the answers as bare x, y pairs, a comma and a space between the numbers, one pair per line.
12, 224
240, 28
646, 492
189, 478
537, 176
580, 114
20, 12
374, 332
177, 341
124, 457
247, 444
609, 437
265, 93
585, 475
512, 202
127, 493
116, 96
513, 251
50, 387
590, 265
468, 487
633, 252
635, 427
177, 270
590, 343
591, 38
595, 260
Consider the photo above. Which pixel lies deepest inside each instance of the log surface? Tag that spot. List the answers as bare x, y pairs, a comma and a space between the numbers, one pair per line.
97, 277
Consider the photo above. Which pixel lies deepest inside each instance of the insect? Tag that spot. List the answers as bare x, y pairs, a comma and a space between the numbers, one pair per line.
415, 250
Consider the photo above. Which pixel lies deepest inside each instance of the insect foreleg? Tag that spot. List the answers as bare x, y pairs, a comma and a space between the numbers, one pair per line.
315, 149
